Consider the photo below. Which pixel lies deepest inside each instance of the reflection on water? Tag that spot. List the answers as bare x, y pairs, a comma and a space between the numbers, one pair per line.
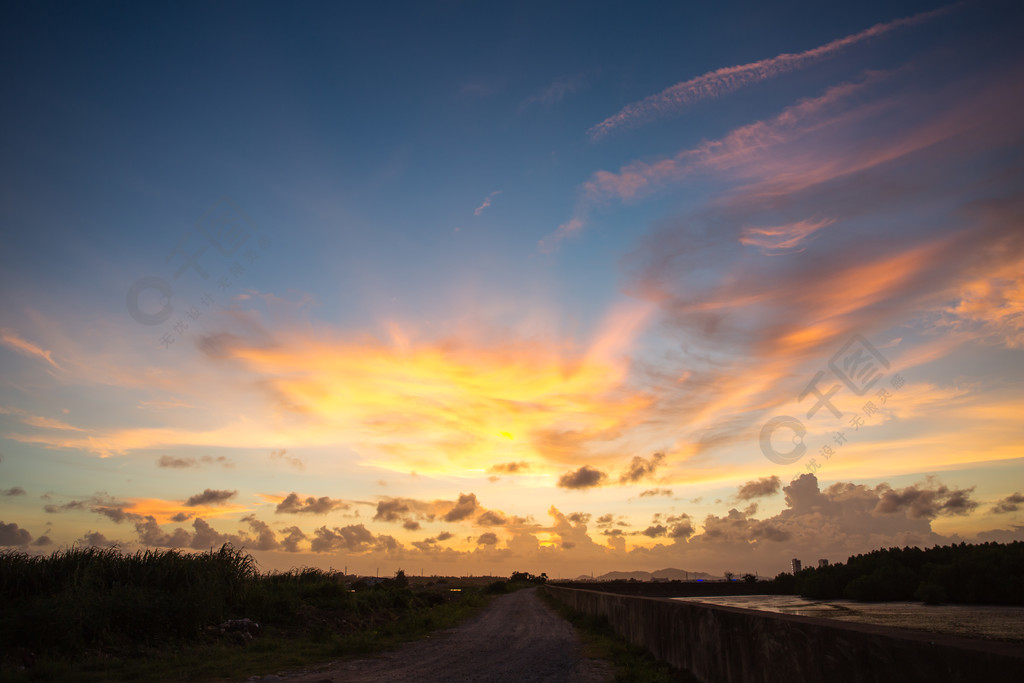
974, 621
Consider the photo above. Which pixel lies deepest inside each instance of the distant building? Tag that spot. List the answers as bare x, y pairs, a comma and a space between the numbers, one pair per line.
796, 565
822, 564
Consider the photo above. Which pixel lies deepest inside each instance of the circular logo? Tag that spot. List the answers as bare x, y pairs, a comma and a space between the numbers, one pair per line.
792, 455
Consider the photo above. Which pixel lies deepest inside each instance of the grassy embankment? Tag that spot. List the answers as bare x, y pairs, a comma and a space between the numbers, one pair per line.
100, 614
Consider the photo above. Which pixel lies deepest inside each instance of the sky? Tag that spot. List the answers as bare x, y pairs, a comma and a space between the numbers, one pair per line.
469, 288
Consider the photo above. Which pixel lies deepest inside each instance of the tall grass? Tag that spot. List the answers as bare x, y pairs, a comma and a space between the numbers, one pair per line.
85, 597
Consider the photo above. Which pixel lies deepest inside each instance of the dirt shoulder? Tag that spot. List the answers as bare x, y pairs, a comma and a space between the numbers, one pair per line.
516, 639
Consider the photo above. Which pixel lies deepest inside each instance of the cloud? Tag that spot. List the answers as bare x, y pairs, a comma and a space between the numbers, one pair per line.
729, 79
13, 535
486, 203
1011, 503
444, 536
556, 91
293, 504
411, 525
351, 538
655, 531
179, 462
640, 468
13, 491
510, 467
292, 537
584, 477
12, 340
571, 227
578, 517
95, 539
925, 501
265, 538
291, 460
655, 492
766, 486
176, 462
42, 541
210, 497
488, 538
491, 518
464, 507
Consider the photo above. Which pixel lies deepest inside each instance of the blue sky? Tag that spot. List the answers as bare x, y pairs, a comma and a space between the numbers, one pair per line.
566, 261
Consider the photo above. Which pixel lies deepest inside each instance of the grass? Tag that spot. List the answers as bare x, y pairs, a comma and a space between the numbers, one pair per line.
631, 663
100, 614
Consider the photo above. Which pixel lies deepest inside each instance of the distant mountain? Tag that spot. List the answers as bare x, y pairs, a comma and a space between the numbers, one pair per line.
670, 574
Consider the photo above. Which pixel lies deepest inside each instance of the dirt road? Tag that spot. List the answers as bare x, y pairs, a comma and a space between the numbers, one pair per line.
516, 639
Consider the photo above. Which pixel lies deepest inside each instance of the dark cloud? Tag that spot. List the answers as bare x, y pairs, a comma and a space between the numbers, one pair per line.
293, 504
150, 534
640, 468
655, 492
925, 501
655, 531
759, 488
42, 541
71, 505
510, 467
181, 517
96, 540
210, 497
391, 510
13, 491
292, 537
354, 537
265, 538
444, 536
179, 462
465, 507
1011, 503
489, 538
578, 517
491, 518
584, 477
605, 521
411, 525
176, 462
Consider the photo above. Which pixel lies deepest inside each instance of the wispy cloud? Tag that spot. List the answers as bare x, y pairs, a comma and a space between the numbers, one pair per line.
556, 91
10, 339
728, 79
486, 203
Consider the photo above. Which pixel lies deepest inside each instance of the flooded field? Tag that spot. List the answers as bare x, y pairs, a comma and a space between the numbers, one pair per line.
973, 621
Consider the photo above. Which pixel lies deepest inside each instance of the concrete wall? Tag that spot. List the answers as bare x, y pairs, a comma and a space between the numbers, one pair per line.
732, 644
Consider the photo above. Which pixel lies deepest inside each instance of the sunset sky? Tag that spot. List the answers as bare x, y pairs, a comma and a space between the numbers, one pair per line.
473, 288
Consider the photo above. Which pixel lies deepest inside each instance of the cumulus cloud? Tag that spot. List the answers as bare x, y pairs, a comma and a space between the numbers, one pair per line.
391, 510
465, 507
491, 518
13, 491
925, 501
294, 504
444, 536
584, 477
95, 539
759, 488
352, 538
578, 517
210, 497
293, 535
1011, 503
264, 539
13, 535
641, 468
488, 538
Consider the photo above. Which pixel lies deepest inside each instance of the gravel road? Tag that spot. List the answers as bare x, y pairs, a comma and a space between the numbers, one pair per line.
516, 639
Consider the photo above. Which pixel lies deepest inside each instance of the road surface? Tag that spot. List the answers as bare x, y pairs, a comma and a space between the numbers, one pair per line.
516, 639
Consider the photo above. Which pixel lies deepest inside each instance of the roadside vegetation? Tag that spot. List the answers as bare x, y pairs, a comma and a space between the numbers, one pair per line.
101, 614
985, 574
631, 664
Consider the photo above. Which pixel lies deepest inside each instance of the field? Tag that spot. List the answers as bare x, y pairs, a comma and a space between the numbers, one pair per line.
100, 614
